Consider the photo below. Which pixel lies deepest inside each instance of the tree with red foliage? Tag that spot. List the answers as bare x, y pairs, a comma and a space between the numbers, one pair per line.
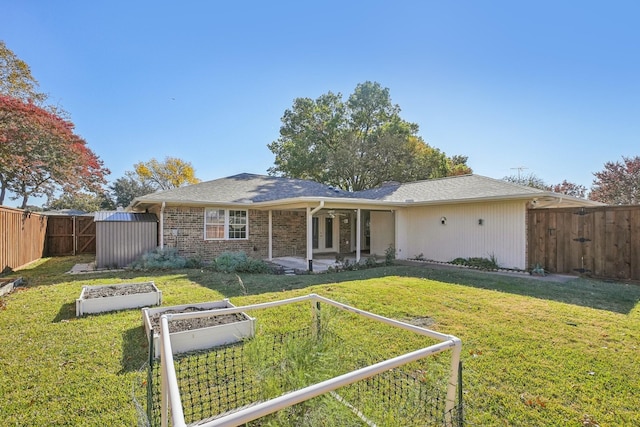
618, 183
40, 154
570, 189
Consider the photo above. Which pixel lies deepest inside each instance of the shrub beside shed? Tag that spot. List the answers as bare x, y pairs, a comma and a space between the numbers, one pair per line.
122, 237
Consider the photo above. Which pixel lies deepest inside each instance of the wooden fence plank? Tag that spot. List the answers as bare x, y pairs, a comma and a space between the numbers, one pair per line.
22, 237
599, 241
71, 235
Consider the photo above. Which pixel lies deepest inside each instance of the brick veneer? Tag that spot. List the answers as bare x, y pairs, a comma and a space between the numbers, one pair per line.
184, 230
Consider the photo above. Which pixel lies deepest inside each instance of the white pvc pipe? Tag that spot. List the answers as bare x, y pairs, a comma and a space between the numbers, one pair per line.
453, 382
310, 213
170, 389
231, 310
290, 399
392, 322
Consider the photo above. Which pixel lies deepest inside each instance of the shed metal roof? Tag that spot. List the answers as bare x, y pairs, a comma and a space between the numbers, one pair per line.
119, 216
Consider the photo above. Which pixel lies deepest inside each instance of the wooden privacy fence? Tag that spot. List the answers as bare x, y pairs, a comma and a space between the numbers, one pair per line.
22, 237
599, 241
71, 235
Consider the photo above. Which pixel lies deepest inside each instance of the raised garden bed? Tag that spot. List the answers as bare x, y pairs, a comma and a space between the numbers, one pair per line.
198, 334
103, 298
8, 283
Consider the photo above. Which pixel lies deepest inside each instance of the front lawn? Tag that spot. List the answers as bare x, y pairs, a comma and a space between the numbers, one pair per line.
535, 353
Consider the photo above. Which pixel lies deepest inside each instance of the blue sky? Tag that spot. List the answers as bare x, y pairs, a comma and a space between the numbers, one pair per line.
553, 86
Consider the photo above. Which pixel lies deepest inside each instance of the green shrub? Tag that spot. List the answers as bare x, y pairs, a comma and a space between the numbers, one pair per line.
194, 262
239, 262
159, 259
389, 255
478, 262
371, 262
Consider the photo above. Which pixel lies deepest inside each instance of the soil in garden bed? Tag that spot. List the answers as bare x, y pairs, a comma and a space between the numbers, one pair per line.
190, 324
119, 290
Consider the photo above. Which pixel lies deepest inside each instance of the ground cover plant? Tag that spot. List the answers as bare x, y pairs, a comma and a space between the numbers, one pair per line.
535, 352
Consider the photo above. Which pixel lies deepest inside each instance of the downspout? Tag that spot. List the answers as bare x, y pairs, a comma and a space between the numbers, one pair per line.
310, 213
317, 208
270, 255
358, 233
162, 225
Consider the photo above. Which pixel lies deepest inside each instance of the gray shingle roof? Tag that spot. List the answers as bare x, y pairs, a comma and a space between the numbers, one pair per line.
458, 188
244, 188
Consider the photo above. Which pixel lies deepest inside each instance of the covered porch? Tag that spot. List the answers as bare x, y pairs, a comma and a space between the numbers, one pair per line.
330, 234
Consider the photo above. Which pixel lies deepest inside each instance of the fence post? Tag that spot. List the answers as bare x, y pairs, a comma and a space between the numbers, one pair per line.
460, 403
316, 317
150, 382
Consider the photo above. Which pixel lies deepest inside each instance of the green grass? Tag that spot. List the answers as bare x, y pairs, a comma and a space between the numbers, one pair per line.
535, 353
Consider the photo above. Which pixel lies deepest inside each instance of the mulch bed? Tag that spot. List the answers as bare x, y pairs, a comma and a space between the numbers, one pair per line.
190, 324
118, 290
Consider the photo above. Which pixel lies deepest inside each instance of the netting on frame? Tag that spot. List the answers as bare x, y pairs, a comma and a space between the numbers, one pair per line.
312, 350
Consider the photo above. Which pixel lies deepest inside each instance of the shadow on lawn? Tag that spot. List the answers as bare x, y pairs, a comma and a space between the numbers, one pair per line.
612, 296
67, 311
602, 295
135, 350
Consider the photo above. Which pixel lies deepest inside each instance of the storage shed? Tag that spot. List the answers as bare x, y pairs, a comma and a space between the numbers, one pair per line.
122, 237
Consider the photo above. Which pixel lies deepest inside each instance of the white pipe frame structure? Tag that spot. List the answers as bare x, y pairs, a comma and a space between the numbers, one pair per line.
172, 404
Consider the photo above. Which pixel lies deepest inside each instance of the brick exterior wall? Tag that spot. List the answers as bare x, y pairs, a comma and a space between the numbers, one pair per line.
184, 230
345, 236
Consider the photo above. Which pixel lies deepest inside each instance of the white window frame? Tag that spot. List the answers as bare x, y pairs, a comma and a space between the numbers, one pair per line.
227, 224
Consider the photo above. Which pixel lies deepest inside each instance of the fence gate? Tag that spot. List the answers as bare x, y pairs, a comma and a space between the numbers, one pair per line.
596, 241
71, 235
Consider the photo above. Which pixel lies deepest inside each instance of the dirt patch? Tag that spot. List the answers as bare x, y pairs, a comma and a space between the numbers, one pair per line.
118, 290
190, 324
421, 321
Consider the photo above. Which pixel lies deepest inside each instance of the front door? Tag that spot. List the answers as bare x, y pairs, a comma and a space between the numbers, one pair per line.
323, 233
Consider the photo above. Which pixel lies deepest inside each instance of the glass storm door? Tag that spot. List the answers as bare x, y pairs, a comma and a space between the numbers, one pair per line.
322, 233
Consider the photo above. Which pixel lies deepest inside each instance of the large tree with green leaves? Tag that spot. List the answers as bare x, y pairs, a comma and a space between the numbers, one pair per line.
85, 202
356, 144
127, 188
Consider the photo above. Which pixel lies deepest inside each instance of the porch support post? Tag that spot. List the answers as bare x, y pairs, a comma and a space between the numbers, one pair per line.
310, 213
358, 231
161, 242
309, 236
270, 234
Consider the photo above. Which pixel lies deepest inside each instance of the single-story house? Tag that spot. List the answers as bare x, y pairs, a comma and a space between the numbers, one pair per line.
268, 217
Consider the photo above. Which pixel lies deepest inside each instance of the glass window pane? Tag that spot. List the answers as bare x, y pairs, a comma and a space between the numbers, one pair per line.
237, 224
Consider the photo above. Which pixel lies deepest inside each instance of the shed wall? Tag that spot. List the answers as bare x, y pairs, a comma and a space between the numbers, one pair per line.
502, 233
120, 243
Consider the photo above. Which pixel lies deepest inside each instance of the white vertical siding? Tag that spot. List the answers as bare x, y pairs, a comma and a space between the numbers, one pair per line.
382, 232
502, 234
